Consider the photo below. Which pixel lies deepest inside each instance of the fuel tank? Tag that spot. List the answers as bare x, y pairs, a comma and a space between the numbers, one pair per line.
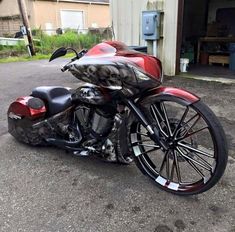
91, 94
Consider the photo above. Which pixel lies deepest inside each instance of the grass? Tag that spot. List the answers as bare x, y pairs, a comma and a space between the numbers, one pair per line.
68, 39
19, 49
48, 44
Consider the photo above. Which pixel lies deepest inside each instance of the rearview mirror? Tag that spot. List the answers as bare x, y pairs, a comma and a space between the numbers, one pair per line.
58, 53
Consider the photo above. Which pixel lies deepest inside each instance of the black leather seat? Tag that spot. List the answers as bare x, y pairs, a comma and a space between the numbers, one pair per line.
56, 98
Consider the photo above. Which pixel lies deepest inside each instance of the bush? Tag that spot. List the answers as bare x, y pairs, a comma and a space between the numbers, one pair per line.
18, 50
69, 39
47, 44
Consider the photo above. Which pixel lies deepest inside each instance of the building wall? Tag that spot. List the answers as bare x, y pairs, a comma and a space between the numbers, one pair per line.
126, 21
9, 8
46, 12
10, 17
99, 15
9, 26
170, 37
93, 13
42, 12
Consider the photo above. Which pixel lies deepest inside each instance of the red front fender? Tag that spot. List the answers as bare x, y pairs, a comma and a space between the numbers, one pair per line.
183, 95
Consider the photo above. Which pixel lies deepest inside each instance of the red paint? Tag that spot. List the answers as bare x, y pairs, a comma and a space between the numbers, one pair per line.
20, 107
180, 93
101, 50
119, 52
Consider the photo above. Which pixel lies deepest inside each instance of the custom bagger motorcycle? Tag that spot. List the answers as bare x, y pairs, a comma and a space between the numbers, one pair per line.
123, 114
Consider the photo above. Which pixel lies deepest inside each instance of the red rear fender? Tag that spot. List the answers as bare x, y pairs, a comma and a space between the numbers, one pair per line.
21, 108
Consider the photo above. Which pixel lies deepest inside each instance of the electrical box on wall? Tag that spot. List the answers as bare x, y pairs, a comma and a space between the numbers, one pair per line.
150, 25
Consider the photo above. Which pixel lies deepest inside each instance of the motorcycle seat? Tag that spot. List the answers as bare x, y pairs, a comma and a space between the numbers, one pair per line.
56, 98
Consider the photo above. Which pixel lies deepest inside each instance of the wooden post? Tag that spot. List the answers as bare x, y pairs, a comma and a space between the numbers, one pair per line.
24, 16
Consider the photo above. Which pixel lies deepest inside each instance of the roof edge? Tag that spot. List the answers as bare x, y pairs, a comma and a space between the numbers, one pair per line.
83, 2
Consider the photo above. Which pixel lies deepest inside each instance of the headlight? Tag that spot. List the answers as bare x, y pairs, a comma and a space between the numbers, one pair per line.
141, 76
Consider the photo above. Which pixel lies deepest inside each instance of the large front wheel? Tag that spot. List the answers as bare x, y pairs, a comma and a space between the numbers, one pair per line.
195, 156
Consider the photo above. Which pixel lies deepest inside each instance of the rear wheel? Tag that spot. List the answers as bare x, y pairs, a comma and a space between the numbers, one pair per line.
196, 154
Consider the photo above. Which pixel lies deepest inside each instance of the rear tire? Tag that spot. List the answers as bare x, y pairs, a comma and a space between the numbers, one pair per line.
194, 161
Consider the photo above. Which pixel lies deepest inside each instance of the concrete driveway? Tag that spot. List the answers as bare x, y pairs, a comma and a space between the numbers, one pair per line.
48, 190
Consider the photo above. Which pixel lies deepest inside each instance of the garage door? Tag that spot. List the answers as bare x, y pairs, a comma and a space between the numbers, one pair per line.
72, 19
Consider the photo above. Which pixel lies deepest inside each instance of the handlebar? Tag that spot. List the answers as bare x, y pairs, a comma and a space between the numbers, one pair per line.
65, 68
77, 57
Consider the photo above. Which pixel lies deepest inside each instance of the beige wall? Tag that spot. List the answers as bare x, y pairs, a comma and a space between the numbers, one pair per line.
49, 12
170, 37
42, 12
45, 12
8, 8
126, 20
99, 14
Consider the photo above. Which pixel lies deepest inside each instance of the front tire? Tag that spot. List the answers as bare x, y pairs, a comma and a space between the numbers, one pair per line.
196, 154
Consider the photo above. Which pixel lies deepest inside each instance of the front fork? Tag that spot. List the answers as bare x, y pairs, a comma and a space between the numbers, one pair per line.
154, 132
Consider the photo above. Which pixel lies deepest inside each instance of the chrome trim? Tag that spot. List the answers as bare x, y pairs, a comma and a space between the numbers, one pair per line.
150, 129
161, 180
136, 150
173, 186
134, 138
162, 76
14, 116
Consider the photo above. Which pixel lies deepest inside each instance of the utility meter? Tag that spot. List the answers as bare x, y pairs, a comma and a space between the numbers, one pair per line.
150, 25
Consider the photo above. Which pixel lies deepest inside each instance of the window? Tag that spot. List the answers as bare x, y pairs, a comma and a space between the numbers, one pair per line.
72, 19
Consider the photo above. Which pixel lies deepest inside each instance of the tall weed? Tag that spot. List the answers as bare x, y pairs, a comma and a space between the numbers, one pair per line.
47, 44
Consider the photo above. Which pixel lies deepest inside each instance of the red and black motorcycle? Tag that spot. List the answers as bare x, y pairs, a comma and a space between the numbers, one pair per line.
124, 114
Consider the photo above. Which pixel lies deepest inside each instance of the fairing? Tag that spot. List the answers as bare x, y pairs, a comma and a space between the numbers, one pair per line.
118, 52
113, 64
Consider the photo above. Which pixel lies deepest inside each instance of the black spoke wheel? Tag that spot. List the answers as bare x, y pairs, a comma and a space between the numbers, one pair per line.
196, 154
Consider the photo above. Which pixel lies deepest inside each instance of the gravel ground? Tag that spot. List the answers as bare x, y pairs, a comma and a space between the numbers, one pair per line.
48, 190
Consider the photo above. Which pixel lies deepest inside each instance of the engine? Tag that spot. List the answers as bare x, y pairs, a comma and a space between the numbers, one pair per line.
104, 132
95, 112
95, 124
